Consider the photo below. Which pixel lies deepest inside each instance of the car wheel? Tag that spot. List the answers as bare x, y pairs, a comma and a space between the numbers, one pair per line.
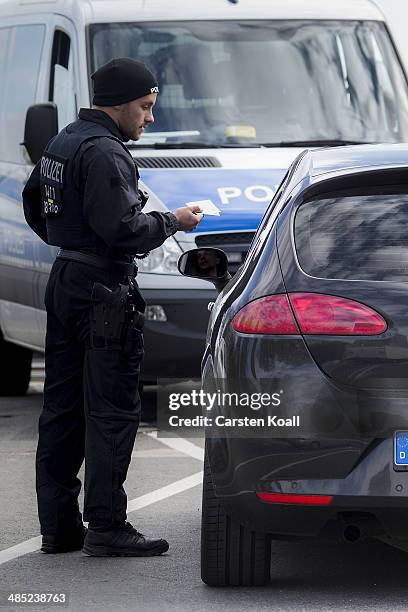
231, 554
15, 371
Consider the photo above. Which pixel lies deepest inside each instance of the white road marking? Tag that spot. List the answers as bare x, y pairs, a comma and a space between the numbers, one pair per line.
167, 491
36, 387
153, 453
181, 445
34, 544
20, 549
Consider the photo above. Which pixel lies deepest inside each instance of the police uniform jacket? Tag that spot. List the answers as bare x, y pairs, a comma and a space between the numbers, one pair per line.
83, 193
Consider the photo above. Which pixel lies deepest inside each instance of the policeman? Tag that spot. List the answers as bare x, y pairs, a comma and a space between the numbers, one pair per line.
83, 197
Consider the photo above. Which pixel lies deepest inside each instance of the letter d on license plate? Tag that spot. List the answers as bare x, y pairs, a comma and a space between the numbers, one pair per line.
401, 451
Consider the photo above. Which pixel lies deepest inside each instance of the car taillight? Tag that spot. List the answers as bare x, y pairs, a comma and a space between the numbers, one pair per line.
268, 315
312, 313
329, 314
294, 498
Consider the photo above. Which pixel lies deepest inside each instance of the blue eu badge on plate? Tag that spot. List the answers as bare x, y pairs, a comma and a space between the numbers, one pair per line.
401, 451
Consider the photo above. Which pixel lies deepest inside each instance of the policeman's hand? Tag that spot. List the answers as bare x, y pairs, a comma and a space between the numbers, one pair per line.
188, 217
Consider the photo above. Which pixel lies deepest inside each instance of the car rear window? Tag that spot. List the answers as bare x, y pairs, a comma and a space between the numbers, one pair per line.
354, 237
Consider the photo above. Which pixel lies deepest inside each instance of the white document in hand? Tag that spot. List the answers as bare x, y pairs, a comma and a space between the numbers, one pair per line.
207, 206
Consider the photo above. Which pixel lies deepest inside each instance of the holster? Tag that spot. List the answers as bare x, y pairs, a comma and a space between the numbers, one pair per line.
114, 315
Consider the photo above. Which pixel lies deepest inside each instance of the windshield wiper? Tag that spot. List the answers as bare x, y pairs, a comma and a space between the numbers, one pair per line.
335, 142
174, 145
191, 145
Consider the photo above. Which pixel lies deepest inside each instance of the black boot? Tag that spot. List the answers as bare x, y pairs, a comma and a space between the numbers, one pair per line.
66, 542
122, 541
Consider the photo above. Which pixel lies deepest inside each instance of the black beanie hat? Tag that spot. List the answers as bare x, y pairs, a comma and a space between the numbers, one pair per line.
122, 80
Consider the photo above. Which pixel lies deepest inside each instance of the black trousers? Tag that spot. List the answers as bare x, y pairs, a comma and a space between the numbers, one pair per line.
91, 406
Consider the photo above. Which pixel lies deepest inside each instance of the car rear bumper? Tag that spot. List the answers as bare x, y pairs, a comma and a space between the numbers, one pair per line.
372, 516
372, 495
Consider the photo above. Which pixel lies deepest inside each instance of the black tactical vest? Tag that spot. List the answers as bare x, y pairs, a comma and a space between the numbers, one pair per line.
62, 204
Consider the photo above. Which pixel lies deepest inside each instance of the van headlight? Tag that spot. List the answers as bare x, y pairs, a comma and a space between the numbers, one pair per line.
162, 260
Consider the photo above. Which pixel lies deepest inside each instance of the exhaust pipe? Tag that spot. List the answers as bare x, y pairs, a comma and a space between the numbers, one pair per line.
352, 533
357, 528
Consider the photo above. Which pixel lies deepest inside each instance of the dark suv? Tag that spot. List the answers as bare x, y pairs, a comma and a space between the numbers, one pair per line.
318, 316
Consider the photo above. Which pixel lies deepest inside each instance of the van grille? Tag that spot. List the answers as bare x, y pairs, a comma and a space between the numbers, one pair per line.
177, 162
235, 245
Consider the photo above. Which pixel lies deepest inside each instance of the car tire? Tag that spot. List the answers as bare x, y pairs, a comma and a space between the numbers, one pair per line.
15, 368
231, 554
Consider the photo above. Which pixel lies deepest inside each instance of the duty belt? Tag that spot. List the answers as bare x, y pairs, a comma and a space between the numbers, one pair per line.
103, 263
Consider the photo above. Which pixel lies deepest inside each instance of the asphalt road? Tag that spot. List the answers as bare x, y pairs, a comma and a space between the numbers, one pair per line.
164, 494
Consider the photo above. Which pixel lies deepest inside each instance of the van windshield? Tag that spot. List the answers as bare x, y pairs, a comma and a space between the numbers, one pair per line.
264, 82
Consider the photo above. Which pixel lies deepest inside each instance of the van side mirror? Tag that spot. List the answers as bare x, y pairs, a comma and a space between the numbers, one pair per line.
41, 125
206, 263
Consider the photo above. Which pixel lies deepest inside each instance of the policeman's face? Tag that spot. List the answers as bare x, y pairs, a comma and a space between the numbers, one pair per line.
136, 115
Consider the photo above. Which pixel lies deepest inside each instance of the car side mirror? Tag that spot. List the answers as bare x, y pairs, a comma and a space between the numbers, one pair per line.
41, 125
206, 263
